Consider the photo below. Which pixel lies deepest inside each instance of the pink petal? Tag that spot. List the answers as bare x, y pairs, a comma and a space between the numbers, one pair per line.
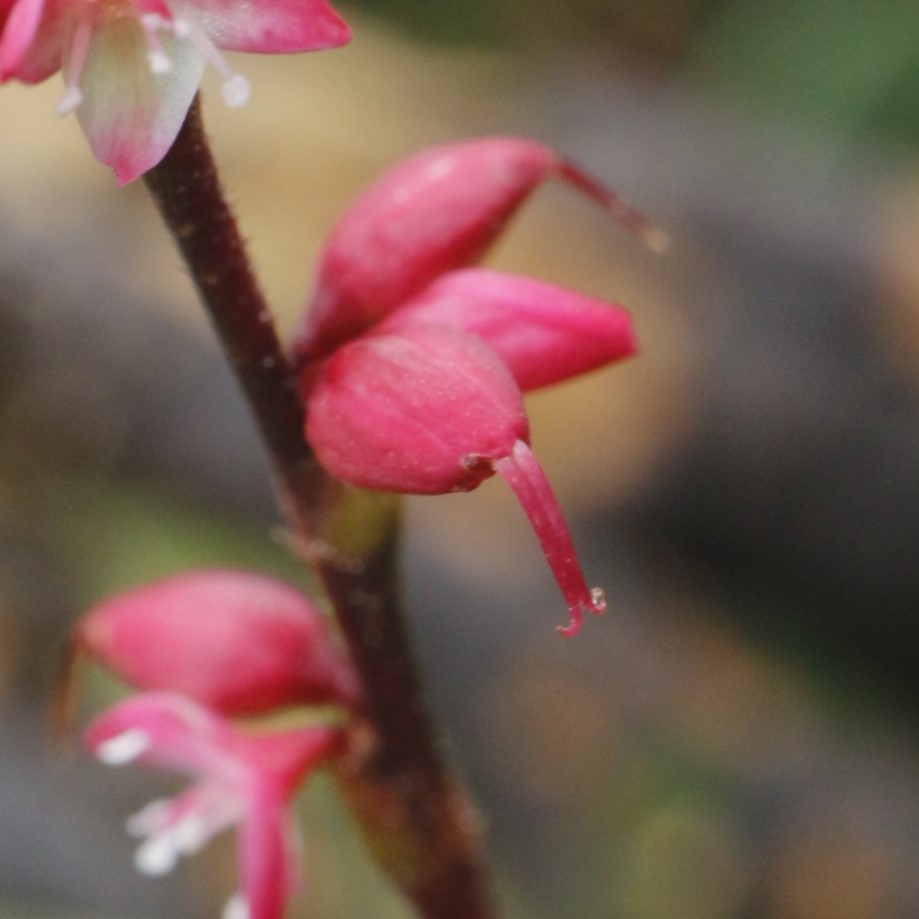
234, 641
439, 210
544, 334
285, 757
269, 862
271, 26
521, 470
19, 27
435, 212
268, 858
170, 731
131, 115
422, 412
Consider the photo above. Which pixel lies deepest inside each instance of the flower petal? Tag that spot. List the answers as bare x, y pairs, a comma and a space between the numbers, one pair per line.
130, 114
167, 729
268, 858
19, 31
543, 333
420, 412
271, 26
438, 210
234, 641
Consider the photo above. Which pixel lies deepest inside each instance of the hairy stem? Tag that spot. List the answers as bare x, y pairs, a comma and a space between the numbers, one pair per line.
413, 809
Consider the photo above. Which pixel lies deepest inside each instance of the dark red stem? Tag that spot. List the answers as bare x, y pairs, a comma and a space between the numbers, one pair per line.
414, 811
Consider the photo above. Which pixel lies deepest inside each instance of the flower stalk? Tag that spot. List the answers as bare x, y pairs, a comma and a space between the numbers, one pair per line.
414, 811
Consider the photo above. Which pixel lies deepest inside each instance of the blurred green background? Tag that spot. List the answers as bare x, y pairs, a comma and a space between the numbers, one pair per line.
737, 736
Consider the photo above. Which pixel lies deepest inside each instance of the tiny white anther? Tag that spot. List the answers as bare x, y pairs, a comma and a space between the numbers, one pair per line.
190, 835
236, 91
181, 28
235, 908
597, 600
158, 855
70, 101
123, 748
160, 62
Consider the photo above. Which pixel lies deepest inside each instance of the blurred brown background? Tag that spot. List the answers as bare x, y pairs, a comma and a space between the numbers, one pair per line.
737, 737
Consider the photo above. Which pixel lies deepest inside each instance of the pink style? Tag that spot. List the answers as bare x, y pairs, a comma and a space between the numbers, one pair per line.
131, 67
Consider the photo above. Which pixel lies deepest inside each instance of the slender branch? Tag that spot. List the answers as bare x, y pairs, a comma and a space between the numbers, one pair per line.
413, 809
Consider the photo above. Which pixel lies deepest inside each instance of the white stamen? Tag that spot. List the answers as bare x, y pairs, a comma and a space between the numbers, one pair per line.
235, 908
236, 91
236, 87
75, 60
191, 834
153, 24
158, 855
123, 748
70, 101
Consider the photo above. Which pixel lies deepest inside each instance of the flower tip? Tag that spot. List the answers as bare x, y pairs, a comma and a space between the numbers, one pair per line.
596, 606
573, 627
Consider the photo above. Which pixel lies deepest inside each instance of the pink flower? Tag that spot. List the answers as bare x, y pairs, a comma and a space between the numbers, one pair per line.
413, 364
241, 779
132, 67
430, 410
235, 642
439, 210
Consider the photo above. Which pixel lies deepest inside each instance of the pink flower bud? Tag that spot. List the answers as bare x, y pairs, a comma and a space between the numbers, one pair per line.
431, 410
236, 642
544, 334
437, 211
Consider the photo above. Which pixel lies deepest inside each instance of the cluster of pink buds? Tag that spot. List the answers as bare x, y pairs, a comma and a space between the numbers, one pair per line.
132, 67
413, 364
202, 648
